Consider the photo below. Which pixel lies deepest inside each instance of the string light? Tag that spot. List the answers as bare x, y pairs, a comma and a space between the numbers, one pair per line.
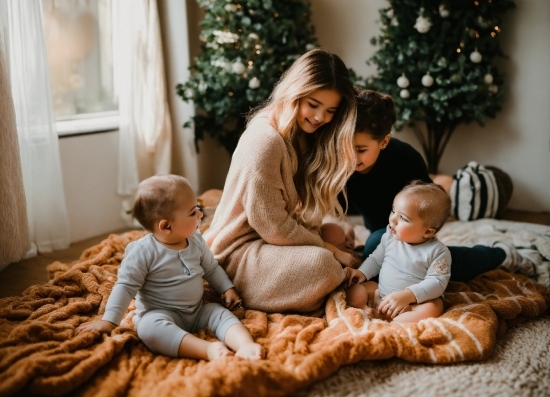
458, 50
230, 93
250, 63
493, 35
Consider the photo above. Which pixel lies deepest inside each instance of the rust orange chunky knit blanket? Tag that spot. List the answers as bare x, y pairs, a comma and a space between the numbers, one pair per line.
40, 355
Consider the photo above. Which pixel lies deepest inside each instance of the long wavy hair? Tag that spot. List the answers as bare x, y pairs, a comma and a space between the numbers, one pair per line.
322, 171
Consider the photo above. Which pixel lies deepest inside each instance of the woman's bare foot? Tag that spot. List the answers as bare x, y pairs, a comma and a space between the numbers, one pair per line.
251, 351
218, 349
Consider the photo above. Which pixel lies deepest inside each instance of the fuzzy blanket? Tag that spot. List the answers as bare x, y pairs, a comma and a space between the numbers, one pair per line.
40, 355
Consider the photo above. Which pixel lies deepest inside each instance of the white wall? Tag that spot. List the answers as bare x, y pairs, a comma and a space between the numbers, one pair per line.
518, 140
89, 164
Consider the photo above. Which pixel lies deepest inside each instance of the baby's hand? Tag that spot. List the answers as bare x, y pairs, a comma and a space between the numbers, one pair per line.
396, 303
231, 299
353, 276
100, 325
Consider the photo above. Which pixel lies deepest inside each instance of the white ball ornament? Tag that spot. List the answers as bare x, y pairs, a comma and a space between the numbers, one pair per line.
475, 57
488, 78
238, 67
423, 25
427, 80
403, 81
189, 93
202, 86
404, 94
254, 83
443, 12
230, 7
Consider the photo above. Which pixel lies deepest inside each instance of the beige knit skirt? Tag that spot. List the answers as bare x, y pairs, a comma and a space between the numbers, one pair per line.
277, 279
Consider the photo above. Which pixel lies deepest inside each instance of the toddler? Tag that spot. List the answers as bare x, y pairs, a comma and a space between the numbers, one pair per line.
412, 264
164, 271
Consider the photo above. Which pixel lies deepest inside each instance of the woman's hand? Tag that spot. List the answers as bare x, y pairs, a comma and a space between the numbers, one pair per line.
231, 299
396, 303
346, 258
100, 325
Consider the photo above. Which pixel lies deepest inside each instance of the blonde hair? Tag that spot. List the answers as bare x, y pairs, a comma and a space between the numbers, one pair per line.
320, 173
432, 202
156, 198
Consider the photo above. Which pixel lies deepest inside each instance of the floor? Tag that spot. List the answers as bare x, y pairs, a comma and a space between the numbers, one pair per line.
16, 277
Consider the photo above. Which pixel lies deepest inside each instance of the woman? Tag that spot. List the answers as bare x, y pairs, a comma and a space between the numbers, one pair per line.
285, 175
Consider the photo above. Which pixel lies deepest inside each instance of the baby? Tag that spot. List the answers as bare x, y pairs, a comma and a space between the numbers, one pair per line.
164, 271
412, 264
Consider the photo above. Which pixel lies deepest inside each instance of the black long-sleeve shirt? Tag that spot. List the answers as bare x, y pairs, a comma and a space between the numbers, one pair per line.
372, 194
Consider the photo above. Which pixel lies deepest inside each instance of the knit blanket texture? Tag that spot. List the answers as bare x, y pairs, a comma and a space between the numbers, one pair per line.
40, 355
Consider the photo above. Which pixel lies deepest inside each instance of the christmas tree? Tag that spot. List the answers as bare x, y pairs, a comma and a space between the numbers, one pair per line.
246, 46
436, 60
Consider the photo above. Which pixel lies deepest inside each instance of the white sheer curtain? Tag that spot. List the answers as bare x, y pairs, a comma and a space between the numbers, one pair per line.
145, 126
35, 122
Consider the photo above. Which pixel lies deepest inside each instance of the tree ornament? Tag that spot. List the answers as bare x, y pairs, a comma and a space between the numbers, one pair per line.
404, 94
254, 83
202, 86
493, 89
238, 67
475, 56
230, 7
488, 78
253, 37
443, 12
189, 93
427, 80
389, 13
423, 25
403, 81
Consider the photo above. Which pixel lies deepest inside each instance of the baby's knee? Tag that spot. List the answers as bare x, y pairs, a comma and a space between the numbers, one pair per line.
160, 335
356, 296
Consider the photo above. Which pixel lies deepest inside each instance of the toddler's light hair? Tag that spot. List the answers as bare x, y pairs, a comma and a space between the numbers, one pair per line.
432, 201
156, 198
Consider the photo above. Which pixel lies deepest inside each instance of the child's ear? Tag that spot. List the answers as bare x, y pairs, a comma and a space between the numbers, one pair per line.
429, 233
164, 226
386, 140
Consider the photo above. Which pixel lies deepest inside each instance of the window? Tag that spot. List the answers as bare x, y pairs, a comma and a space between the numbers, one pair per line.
79, 44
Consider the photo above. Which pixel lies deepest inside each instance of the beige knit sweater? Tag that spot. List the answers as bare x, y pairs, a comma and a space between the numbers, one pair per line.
276, 264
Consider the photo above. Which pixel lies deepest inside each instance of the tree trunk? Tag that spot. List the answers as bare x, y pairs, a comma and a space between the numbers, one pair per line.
434, 139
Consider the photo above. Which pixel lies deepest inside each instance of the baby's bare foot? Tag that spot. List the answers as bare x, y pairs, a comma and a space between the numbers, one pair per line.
218, 349
252, 351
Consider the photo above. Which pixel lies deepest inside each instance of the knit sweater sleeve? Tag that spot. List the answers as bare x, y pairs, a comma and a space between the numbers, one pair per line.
268, 191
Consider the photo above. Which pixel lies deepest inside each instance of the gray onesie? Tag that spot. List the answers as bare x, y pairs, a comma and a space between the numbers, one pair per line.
168, 288
424, 268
